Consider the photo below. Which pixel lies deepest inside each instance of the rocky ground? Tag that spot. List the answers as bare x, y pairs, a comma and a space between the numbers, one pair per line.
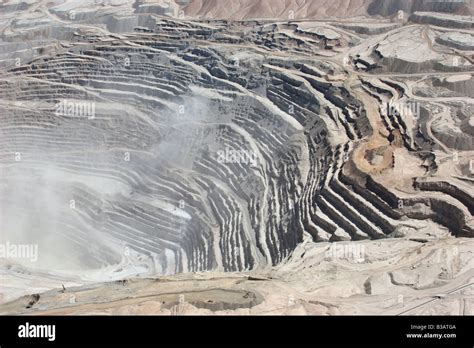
167, 160
393, 277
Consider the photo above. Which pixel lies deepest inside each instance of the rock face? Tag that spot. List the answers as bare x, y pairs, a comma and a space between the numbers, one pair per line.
443, 20
457, 40
407, 52
138, 140
249, 9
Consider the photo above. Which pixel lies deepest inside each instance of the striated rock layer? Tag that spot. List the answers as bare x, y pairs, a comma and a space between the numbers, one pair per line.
136, 141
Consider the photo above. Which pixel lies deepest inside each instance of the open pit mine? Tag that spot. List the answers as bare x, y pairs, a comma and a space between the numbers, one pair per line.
236, 157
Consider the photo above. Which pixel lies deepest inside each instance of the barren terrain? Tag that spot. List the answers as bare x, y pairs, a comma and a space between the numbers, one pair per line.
237, 157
